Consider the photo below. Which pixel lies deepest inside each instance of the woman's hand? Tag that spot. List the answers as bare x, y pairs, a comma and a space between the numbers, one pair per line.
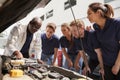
101, 71
115, 69
70, 64
77, 67
86, 70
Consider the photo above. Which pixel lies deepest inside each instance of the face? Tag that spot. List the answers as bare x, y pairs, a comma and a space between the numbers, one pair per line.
91, 15
33, 27
65, 31
77, 32
49, 32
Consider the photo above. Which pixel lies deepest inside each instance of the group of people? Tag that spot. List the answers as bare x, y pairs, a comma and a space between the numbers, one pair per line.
98, 46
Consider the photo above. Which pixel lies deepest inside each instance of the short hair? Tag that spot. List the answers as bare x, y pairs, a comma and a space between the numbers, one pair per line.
35, 20
52, 26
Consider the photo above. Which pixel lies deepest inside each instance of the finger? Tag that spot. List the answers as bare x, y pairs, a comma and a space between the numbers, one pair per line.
102, 76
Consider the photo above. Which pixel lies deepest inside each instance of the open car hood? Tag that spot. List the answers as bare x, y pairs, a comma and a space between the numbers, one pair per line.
14, 10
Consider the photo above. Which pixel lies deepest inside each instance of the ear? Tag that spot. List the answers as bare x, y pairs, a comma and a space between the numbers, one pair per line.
99, 12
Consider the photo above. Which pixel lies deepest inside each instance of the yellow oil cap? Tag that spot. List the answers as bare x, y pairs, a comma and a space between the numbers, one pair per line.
16, 73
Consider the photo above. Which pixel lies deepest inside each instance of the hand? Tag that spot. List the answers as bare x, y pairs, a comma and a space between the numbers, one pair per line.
18, 54
88, 28
85, 70
54, 64
101, 71
70, 64
115, 69
40, 61
77, 67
